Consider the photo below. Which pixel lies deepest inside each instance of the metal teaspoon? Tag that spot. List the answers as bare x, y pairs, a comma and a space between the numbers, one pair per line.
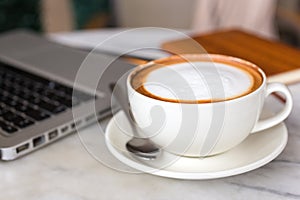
141, 147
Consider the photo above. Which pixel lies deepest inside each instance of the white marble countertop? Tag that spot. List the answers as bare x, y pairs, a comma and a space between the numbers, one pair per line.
68, 169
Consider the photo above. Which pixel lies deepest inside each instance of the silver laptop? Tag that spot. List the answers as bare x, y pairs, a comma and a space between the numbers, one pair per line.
48, 90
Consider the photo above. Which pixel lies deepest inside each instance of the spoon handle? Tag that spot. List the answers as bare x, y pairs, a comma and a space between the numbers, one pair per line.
139, 146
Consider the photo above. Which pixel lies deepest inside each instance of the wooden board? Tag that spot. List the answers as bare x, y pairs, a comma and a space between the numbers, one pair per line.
279, 61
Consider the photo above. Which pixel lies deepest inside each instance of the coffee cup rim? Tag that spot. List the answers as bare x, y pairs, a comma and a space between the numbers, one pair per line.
227, 57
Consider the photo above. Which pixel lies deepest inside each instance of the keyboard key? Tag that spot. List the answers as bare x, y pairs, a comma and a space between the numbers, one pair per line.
67, 101
36, 114
27, 95
10, 101
51, 107
22, 123
3, 110
21, 107
7, 127
59, 109
49, 93
10, 116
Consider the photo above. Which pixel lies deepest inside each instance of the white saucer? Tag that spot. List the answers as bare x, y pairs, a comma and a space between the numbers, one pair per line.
257, 150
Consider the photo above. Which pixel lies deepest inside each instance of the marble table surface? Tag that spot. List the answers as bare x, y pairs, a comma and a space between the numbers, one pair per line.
80, 167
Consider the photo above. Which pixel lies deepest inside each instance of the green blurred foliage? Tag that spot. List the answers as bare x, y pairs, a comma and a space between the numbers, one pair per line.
19, 14
26, 13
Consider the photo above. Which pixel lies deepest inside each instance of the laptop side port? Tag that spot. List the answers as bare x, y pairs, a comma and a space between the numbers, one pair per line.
64, 129
38, 140
73, 125
52, 134
22, 147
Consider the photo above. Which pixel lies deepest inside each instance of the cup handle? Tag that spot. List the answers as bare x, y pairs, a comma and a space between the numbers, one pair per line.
282, 115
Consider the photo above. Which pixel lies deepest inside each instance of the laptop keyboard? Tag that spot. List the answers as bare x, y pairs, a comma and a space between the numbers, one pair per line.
26, 99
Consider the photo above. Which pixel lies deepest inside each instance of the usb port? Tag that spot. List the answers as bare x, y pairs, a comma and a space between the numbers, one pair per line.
73, 125
23, 147
64, 129
76, 124
38, 141
52, 134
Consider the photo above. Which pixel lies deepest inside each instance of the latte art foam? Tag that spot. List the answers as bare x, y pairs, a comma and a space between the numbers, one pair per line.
200, 81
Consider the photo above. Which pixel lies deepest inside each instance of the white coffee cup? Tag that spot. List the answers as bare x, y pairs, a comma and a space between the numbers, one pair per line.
201, 104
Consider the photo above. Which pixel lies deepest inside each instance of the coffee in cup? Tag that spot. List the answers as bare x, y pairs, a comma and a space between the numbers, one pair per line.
207, 103
236, 79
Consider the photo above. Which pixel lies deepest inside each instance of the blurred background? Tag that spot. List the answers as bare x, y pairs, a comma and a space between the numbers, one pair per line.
274, 19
